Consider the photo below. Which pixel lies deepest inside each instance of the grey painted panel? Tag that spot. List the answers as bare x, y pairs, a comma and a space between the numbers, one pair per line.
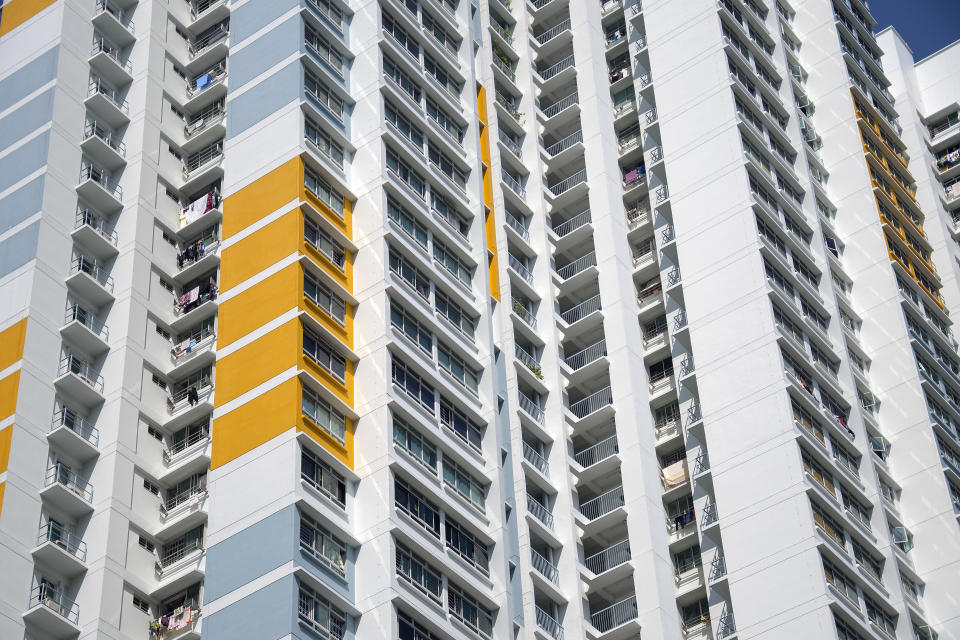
20, 163
21, 204
262, 100
28, 79
19, 249
26, 119
246, 19
251, 553
267, 613
266, 51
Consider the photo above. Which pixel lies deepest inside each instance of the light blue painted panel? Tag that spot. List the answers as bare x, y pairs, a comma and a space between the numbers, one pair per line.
26, 119
20, 163
28, 78
259, 102
266, 51
19, 249
266, 614
21, 204
249, 17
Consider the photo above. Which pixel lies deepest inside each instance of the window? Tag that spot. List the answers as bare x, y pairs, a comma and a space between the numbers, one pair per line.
880, 617
411, 328
403, 268
444, 121
438, 73
687, 559
407, 222
141, 604
157, 380
410, 629
330, 303
321, 477
146, 544
807, 421
440, 206
330, 11
828, 525
463, 483
403, 126
152, 431
414, 445
322, 242
464, 428
847, 460
323, 95
178, 549
324, 142
465, 545
457, 368
843, 584
789, 326
399, 34
405, 82
867, 562
665, 415
324, 355
322, 189
439, 34
406, 175
152, 488
410, 502
818, 473
806, 272
415, 570
447, 167
325, 416
855, 508
453, 313
325, 50
323, 545
322, 616
468, 611
845, 631
421, 392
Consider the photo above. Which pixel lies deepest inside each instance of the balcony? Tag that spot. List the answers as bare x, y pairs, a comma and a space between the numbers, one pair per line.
77, 379
60, 549
519, 227
184, 565
90, 230
597, 453
114, 23
208, 85
105, 59
718, 567
563, 144
520, 269
89, 278
602, 504
576, 266
560, 187
66, 491
553, 71
514, 184
531, 408
181, 452
650, 297
522, 311
210, 47
608, 559
51, 613
666, 431
549, 624
195, 348
190, 301
82, 330
206, 13
580, 311
201, 165
614, 615
681, 525
586, 356
97, 187
674, 476
536, 509
106, 102
638, 217
204, 127
591, 404
561, 106
73, 435
544, 567
190, 402
103, 146
535, 459
184, 510
563, 230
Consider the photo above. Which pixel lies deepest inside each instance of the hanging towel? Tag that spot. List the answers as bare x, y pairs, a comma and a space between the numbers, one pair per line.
631, 176
203, 81
675, 474
195, 209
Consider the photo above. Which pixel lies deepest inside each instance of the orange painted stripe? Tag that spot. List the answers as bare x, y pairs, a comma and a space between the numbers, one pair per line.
12, 340
8, 394
16, 12
6, 436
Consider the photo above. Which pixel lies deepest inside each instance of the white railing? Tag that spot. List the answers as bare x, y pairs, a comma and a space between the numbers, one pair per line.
585, 308
552, 32
592, 403
518, 226
102, 178
613, 556
603, 504
98, 86
546, 568
568, 183
76, 423
64, 538
568, 226
597, 452
531, 408
103, 6
525, 314
520, 268
87, 218
76, 313
539, 511
513, 183
571, 269
585, 356
560, 105
615, 615
95, 130
718, 566
533, 456
556, 68
549, 624
64, 476
82, 369
565, 143
44, 595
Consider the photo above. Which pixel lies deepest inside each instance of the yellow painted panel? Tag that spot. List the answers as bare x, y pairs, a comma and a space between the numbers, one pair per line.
16, 12
8, 394
11, 343
256, 422
259, 198
343, 452
343, 332
343, 278
482, 103
344, 224
264, 301
267, 356
259, 250
5, 437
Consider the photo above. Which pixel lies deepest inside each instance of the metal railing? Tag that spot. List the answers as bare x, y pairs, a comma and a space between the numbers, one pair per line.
531, 408
579, 311
650, 116
592, 403
569, 226
702, 464
76, 313
653, 292
64, 538
609, 6
196, 47
76, 423
102, 178
502, 30
86, 218
98, 86
585, 356
673, 276
200, 159
100, 45
560, 105
709, 514
615, 615
103, 6
603, 503
518, 226
533, 456
726, 627
565, 143
519, 267
656, 154
546, 568
556, 68
525, 314
204, 121
623, 107
539, 511
66, 477
568, 183
551, 33
549, 624
613, 556
93, 269
514, 184
511, 144
187, 495
571, 269
597, 452
46, 596
182, 445
94, 130
718, 567
525, 357
82, 369
506, 68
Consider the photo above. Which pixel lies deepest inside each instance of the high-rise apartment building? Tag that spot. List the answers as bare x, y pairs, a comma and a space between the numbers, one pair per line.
476, 320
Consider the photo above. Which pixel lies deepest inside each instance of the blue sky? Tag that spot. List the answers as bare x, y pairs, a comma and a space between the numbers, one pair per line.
926, 25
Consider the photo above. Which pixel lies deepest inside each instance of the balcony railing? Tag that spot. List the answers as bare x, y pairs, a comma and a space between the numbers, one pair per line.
560, 105
597, 452
531, 408
100, 45
93, 269
571, 269
525, 314
710, 514
102, 178
584, 357
533, 456
196, 437
726, 626
196, 47
191, 495
511, 143
103, 6
539, 511
76, 423
188, 396
529, 360
592, 403
507, 68
513, 183
546, 568
556, 68
701, 464
95, 130
61, 536
520, 268
46, 596
98, 86
613, 556
615, 615
518, 226
582, 310
549, 624
552, 32
718, 567
603, 504
82, 369
569, 226
558, 188
64, 476
76, 313
565, 143
87, 218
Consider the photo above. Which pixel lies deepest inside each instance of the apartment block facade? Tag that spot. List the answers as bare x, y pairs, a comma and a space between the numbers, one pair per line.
476, 320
